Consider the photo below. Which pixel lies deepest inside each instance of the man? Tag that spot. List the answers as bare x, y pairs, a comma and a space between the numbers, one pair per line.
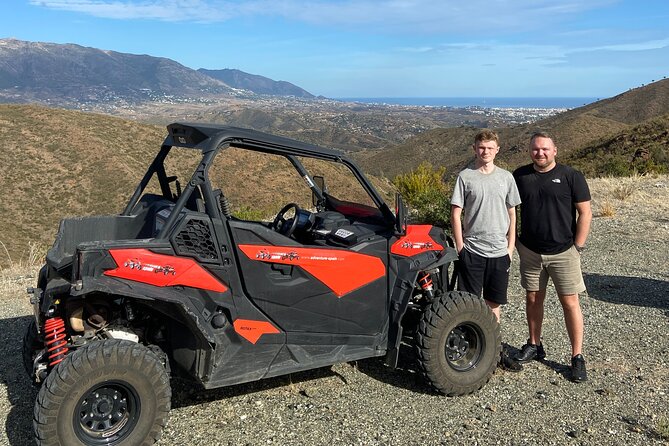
485, 235
554, 223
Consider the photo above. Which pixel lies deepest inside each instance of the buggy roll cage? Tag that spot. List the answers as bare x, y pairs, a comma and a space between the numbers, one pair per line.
211, 138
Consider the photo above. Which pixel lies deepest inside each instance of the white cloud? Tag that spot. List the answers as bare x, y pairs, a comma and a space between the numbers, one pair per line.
171, 10
490, 52
403, 16
639, 46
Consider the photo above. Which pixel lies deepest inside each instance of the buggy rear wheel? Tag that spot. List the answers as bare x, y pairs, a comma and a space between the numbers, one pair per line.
109, 392
458, 342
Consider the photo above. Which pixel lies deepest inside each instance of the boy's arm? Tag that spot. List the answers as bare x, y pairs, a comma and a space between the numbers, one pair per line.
511, 233
456, 224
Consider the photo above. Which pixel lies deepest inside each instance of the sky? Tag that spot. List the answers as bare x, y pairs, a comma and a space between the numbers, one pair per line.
379, 48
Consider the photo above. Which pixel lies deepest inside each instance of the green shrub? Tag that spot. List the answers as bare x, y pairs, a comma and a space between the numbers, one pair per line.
616, 167
426, 194
648, 166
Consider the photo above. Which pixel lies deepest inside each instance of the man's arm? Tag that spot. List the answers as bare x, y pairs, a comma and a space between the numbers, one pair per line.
583, 221
511, 234
456, 224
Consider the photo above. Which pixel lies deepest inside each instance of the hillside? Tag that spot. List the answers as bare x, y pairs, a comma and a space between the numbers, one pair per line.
255, 83
642, 148
573, 130
56, 163
634, 106
76, 73
159, 90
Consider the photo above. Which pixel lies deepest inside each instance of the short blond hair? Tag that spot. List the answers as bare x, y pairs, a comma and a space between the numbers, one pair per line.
486, 135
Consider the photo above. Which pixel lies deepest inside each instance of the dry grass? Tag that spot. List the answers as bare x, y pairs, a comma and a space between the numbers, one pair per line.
607, 210
58, 163
663, 428
21, 273
624, 192
627, 196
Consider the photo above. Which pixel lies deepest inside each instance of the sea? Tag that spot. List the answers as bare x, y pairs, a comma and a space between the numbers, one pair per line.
483, 102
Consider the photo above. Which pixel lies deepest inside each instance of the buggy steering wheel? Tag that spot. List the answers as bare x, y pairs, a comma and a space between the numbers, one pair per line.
279, 224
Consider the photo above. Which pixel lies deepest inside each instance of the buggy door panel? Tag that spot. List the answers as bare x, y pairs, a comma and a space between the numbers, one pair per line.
313, 289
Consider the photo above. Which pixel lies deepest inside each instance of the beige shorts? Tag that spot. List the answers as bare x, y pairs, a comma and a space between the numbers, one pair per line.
564, 269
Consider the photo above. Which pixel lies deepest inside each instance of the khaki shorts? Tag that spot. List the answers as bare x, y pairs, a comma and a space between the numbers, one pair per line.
563, 268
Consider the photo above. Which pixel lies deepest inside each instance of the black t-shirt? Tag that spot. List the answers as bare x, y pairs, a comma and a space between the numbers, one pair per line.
548, 213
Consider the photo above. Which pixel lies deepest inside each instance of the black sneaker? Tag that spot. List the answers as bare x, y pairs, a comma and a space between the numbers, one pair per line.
578, 373
531, 351
506, 362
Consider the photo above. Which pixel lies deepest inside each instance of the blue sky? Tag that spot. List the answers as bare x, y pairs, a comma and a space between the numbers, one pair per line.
379, 48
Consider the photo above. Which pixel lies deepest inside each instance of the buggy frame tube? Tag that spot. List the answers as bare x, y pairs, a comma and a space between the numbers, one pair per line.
305, 174
155, 167
196, 180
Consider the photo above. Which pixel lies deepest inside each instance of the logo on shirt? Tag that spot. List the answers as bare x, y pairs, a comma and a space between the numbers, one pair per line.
556, 180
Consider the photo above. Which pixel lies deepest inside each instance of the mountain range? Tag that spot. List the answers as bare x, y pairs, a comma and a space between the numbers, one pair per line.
255, 83
69, 73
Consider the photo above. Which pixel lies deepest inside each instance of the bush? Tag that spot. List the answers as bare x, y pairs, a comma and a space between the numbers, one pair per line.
426, 194
616, 167
648, 166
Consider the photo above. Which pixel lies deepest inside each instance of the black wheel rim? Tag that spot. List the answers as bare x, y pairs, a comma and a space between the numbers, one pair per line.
464, 347
107, 413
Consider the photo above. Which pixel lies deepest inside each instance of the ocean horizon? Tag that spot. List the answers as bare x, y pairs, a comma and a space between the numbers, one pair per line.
484, 102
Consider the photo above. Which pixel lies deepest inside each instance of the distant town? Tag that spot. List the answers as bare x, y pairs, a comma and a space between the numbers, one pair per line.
108, 102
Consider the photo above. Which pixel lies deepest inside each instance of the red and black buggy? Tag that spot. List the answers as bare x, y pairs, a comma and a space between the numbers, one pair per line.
179, 284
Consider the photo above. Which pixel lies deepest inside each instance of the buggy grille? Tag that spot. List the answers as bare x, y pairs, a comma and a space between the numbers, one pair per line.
195, 239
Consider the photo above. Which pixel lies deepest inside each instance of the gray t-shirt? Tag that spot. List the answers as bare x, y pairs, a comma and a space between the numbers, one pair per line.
485, 200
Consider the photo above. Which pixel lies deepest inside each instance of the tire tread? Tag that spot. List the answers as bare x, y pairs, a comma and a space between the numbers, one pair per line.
436, 318
88, 359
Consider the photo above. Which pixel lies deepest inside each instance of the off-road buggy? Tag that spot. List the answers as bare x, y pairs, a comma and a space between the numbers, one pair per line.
177, 284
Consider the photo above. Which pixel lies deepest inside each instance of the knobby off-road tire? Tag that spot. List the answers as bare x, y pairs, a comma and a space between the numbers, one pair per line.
111, 392
458, 343
31, 345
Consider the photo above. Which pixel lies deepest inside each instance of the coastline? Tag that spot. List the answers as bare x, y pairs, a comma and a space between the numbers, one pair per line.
482, 102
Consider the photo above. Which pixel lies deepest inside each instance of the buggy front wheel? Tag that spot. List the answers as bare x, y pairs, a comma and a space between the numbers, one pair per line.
458, 343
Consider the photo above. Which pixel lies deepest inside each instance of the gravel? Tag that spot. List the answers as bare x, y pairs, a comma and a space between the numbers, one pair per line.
625, 401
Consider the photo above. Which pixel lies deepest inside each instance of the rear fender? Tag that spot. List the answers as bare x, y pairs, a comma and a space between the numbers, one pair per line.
184, 317
195, 310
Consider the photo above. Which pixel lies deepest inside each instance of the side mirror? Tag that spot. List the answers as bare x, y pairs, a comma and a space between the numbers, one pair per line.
400, 215
317, 201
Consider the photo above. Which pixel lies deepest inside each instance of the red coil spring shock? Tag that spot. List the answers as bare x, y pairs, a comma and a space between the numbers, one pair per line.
425, 282
54, 340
